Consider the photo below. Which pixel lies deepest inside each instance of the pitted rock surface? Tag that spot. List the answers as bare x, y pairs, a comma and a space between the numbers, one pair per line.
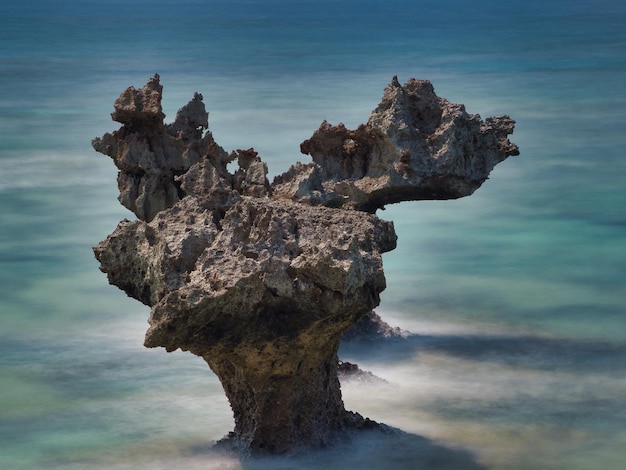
262, 280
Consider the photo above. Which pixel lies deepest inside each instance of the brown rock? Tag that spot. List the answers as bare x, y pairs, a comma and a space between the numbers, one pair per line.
151, 155
263, 280
415, 146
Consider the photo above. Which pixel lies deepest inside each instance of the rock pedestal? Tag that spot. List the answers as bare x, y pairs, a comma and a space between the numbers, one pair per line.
262, 280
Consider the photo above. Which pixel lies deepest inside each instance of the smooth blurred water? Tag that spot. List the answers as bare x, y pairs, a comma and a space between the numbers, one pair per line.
515, 294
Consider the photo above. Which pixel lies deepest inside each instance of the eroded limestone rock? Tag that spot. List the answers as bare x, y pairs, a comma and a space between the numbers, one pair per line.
415, 146
263, 280
151, 156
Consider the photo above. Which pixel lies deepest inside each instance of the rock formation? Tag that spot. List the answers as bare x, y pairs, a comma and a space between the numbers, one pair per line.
415, 146
262, 280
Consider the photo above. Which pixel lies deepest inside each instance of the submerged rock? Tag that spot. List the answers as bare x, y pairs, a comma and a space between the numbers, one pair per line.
371, 327
262, 280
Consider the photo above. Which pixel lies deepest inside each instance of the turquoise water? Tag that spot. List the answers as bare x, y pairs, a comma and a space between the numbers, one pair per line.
516, 294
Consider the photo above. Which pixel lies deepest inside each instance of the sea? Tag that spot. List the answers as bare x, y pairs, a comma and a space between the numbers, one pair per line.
514, 297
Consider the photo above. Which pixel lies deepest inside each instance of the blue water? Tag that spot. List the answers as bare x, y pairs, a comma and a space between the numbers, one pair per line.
516, 294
